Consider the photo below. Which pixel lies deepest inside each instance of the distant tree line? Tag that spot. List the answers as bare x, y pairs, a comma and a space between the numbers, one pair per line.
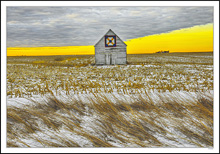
163, 51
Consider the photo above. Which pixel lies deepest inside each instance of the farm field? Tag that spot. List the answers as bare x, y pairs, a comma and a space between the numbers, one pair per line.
28, 76
156, 100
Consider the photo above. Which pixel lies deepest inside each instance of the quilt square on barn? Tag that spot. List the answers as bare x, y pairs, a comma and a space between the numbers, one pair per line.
110, 41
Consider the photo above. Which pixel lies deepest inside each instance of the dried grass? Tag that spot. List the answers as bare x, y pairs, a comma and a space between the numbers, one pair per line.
140, 122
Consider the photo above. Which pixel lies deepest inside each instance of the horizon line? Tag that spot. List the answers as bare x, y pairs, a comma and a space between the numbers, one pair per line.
94, 54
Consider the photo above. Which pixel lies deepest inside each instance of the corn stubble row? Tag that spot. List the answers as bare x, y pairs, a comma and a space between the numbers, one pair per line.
77, 76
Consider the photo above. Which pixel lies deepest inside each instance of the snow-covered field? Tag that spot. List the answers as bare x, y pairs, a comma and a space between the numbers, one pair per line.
154, 101
153, 119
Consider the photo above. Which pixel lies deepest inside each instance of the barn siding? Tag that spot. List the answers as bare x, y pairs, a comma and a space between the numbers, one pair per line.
100, 59
120, 61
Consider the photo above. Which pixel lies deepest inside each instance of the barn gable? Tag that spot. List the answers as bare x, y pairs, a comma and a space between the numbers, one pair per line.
110, 32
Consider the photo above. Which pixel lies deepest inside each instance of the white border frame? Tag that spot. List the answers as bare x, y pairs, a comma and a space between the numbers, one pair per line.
4, 4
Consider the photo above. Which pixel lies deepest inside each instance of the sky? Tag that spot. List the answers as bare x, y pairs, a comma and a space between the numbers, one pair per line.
194, 39
34, 26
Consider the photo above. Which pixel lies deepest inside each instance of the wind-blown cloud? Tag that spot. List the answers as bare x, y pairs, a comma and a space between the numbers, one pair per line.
73, 26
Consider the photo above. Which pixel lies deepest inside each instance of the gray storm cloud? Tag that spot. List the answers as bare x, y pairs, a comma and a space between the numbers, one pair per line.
73, 26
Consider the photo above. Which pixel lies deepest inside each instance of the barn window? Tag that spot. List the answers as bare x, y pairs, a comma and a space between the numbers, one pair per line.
110, 41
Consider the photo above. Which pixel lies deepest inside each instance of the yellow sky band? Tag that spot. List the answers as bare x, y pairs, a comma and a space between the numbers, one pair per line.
194, 39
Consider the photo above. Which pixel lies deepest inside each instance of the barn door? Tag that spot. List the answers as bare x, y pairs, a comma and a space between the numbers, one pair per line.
113, 59
107, 59
110, 59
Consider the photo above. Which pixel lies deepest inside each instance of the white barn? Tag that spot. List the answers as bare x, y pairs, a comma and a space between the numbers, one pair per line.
110, 50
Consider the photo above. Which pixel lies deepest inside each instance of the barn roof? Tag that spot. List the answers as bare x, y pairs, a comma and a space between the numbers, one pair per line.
107, 33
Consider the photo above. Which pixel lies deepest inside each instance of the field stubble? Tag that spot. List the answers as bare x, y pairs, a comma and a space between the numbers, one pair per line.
168, 72
158, 100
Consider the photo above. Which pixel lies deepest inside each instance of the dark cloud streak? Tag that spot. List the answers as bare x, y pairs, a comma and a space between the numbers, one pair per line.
70, 26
